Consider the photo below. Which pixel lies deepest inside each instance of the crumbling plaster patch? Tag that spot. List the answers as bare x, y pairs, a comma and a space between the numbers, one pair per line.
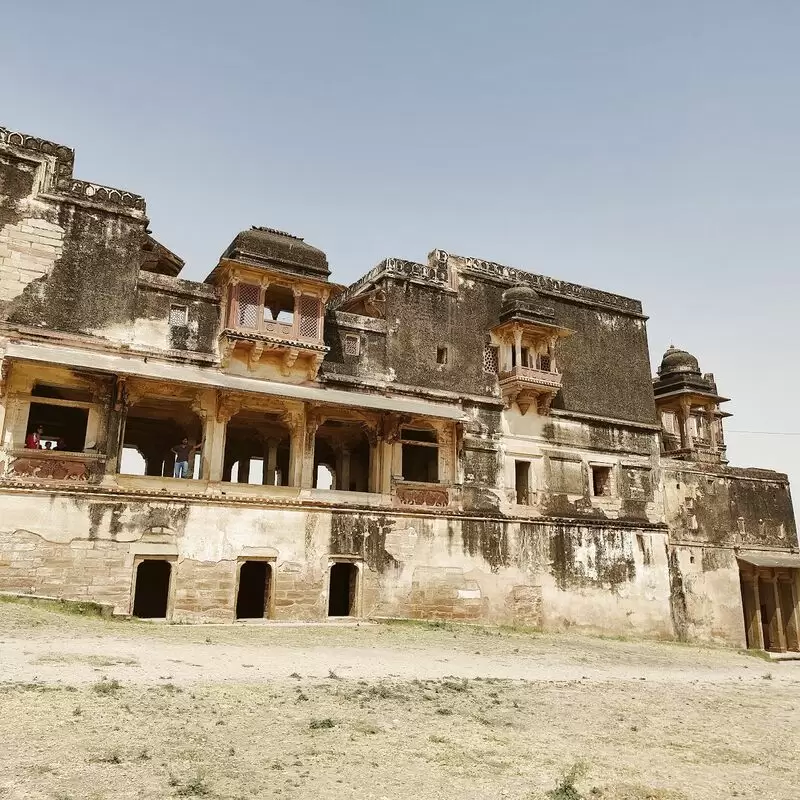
28, 251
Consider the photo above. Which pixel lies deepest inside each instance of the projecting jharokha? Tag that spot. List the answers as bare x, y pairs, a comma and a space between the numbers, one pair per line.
450, 439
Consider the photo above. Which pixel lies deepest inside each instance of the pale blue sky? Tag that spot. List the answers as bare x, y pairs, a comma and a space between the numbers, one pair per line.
645, 148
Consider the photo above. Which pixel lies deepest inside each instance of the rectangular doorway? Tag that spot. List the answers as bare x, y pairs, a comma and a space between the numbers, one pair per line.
151, 592
253, 594
342, 589
522, 481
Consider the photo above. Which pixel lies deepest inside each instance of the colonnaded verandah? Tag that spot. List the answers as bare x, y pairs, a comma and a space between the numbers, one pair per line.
450, 439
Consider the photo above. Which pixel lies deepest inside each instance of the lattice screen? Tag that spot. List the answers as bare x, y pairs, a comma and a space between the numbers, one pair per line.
248, 298
309, 317
544, 363
177, 315
490, 358
352, 345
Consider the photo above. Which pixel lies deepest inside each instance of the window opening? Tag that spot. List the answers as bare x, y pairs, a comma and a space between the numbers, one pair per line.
325, 479
61, 393
352, 345
342, 590
178, 315
155, 426
309, 317
441, 355
63, 427
248, 301
601, 481
252, 598
419, 435
522, 477
525, 356
132, 462
152, 589
544, 362
490, 359
279, 305
420, 455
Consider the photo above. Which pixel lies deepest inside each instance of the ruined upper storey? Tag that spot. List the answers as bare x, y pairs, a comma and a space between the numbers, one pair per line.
448, 328
70, 250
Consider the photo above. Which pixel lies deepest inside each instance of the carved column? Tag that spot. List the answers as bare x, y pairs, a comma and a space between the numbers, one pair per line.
711, 422
294, 420
270, 461
518, 345
343, 473
551, 351
373, 470
309, 428
687, 442
391, 453
778, 617
215, 433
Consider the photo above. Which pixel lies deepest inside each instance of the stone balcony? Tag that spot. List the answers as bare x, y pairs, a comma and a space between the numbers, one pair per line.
526, 385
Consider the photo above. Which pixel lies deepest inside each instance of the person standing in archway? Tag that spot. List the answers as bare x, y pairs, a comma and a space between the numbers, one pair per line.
33, 441
183, 452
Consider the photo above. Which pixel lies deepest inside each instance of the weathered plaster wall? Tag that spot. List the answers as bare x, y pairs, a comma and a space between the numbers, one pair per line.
728, 506
422, 317
608, 350
705, 596
600, 579
370, 361
151, 327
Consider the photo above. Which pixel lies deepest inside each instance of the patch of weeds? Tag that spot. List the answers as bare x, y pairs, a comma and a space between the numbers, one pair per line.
333, 676
106, 686
456, 686
565, 788
767, 676
296, 675
438, 739
196, 787
109, 758
171, 688
326, 722
366, 727
302, 697
144, 755
77, 711
445, 712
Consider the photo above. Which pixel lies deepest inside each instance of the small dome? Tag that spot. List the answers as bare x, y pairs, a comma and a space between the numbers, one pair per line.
520, 293
270, 247
676, 360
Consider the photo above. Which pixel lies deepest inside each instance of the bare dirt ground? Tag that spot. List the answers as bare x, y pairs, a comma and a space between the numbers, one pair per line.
96, 709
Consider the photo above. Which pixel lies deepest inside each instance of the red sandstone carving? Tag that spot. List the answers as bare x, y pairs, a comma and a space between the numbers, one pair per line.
62, 469
421, 496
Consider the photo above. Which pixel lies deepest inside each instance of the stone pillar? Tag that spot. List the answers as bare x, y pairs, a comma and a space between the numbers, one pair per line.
711, 422
518, 346
759, 631
687, 443
778, 616
551, 351
374, 468
270, 462
294, 419
343, 473
312, 422
214, 436
116, 419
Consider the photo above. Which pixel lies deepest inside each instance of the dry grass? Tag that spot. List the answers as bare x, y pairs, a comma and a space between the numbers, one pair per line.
334, 735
